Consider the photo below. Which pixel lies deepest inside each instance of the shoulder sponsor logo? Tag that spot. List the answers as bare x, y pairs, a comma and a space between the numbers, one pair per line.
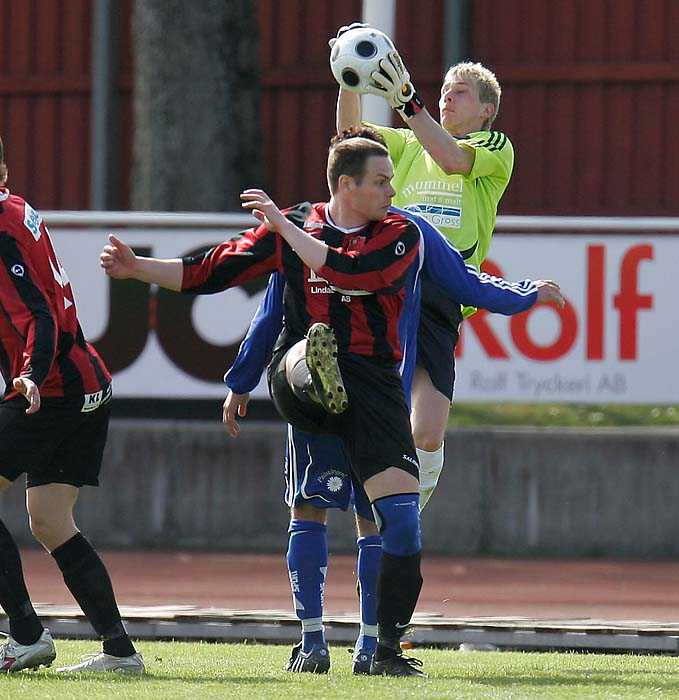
32, 221
18, 270
313, 225
400, 248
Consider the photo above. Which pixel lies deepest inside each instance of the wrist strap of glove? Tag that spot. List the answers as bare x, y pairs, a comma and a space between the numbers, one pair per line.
411, 108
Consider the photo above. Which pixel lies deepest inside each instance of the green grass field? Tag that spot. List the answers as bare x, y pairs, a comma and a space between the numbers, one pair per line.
563, 415
254, 672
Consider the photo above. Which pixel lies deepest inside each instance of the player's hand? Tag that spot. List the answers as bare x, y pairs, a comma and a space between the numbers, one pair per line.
263, 208
549, 292
345, 28
29, 390
234, 404
392, 82
117, 259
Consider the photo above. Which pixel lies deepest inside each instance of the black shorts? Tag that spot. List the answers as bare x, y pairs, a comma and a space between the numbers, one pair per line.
437, 336
57, 445
375, 429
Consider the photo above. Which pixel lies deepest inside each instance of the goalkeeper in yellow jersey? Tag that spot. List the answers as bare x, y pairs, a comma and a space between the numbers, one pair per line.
453, 173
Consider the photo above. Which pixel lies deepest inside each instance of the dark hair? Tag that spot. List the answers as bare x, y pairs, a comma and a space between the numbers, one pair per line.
349, 152
361, 132
3, 166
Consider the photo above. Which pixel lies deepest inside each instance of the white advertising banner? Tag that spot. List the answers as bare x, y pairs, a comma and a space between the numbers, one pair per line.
157, 344
616, 341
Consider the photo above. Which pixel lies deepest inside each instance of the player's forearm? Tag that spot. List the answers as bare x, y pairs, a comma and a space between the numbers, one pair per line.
165, 273
348, 110
311, 251
441, 146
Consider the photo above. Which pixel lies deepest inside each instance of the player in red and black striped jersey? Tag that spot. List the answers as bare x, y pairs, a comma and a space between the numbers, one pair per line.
366, 264
354, 246
58, 440
40, 336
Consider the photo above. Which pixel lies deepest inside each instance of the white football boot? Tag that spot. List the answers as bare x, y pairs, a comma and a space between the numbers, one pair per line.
94, 663
16, 657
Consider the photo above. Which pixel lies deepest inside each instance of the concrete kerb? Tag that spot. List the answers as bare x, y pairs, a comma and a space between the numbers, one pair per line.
188, 623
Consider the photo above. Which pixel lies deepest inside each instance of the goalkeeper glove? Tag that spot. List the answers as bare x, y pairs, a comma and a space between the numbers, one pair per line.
392, 82
345, 28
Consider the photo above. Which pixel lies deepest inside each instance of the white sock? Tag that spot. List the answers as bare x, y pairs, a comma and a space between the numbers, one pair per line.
431, 464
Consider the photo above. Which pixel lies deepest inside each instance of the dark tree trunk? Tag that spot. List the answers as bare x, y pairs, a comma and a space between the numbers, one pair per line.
197, 136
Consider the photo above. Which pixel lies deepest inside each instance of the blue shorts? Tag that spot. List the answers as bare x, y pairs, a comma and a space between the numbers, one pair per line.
437, 337
317, 472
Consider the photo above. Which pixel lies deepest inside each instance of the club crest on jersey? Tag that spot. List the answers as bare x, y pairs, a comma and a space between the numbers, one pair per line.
356, 243
18, 270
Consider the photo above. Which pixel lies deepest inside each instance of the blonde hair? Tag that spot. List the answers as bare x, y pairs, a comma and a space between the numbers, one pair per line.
485, 81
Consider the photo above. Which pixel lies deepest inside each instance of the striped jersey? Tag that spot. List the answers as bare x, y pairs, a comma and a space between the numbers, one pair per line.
438, 262
359, 291
40, 335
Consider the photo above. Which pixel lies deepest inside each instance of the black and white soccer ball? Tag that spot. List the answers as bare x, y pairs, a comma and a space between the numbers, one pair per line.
356, 54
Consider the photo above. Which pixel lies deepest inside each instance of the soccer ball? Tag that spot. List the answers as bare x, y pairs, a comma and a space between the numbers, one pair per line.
356, 54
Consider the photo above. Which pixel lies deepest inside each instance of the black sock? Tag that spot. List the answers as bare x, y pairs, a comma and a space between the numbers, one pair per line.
24, 625
398, 588
88, 580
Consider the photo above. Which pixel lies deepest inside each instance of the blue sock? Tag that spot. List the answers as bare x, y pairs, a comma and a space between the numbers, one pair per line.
369, 555
307, 565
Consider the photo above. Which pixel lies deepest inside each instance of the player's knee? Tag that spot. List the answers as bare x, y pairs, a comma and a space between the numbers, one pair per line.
428, 437
398, 520
42, 527
365, 527
305, 511
50, 529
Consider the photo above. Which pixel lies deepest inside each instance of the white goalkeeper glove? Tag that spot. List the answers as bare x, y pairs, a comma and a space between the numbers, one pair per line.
392, 82
345, 28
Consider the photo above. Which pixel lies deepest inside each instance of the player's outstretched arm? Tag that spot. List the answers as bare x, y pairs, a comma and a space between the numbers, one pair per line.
234, 404
29, 390
120, 262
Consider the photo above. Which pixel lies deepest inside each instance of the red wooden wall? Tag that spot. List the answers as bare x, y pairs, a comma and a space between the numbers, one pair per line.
299, 93
590, 96
45, 92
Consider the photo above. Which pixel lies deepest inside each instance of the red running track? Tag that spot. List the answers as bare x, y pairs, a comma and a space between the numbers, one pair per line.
453, 587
